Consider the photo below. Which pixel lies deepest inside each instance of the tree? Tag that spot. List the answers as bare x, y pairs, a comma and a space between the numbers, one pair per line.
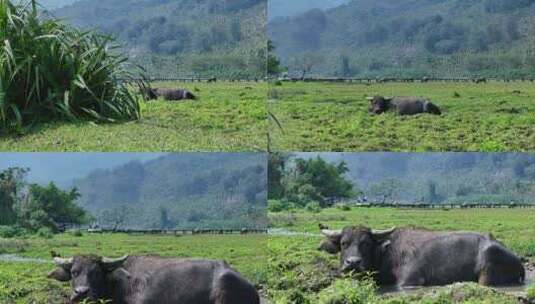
12, 181
317, 180
305, 63
118, 217
273, 63
386, 190
49, 207
276, 167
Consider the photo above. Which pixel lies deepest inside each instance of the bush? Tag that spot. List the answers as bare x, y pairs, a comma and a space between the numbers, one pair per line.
343, 207
8, 232
313, 207
275, 206
50, 71
78, 233
45, 233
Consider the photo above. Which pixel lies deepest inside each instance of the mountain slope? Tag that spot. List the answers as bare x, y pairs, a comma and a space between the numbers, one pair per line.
285, 8
412, 38
182, 37
193, 190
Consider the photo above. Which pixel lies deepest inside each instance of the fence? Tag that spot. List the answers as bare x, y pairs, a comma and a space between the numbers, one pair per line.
444, 206
180, 231
195, 79
398, 80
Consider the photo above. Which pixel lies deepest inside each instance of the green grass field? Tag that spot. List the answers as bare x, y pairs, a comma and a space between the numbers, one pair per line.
227, 117
299, 271
27, 283
334, 117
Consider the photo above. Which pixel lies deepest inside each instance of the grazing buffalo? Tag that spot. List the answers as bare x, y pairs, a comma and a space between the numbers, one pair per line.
417, 257
153, 280
169, 94
403, 105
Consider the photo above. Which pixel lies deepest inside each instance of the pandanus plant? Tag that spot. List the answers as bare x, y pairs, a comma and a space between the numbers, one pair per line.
52, 71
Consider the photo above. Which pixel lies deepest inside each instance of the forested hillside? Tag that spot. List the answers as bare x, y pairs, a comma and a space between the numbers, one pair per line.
179, 190
441, 177
182, 37
284, 8
411, 38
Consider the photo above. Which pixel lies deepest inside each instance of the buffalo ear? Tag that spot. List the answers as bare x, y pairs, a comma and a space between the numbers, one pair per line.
330, 247
60, 274
332, 244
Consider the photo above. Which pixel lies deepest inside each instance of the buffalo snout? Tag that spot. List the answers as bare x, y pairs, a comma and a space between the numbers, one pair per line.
79, 294
352, 264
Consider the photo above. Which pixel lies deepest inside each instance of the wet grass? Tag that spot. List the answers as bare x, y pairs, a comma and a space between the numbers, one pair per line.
227, 117
297, 270
27, 283
334, 117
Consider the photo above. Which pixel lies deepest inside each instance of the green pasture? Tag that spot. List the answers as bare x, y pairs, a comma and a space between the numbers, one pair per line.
489, 117
229, 116
297, 270
26, 282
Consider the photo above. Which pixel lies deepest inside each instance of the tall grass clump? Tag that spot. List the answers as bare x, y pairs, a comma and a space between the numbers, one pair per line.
51, 71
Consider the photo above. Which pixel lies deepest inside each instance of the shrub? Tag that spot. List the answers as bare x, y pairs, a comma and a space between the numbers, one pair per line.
50, 71
313, 207
343, 207
45, 233
8, 232
275, 206
78, 233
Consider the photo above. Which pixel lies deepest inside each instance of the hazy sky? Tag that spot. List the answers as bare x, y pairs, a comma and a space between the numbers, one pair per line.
62, 168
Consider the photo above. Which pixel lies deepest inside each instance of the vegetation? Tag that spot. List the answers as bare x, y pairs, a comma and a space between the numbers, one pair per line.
224, 39
401, 178
313, 182
386, 38
179, 191
299, 273
228, 117
35, 208
24, 281
492, 117
49, 72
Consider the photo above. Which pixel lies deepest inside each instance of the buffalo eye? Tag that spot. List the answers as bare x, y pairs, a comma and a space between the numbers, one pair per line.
75, 273
345, 244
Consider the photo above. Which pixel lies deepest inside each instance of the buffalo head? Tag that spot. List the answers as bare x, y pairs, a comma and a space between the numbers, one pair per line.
379, 104
87, 274
150, 94
359, 247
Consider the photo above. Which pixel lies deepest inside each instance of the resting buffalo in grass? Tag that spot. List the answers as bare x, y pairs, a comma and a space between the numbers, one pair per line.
169, 94
417, 257
153, 280
402, 105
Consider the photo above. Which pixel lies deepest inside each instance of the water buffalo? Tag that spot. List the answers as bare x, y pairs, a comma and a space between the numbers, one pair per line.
169, 94
418, 257
152, 280
403, 105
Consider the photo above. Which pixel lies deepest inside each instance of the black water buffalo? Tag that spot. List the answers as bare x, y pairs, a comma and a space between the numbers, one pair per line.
153, 280
417, 257
169, 94
403, 105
